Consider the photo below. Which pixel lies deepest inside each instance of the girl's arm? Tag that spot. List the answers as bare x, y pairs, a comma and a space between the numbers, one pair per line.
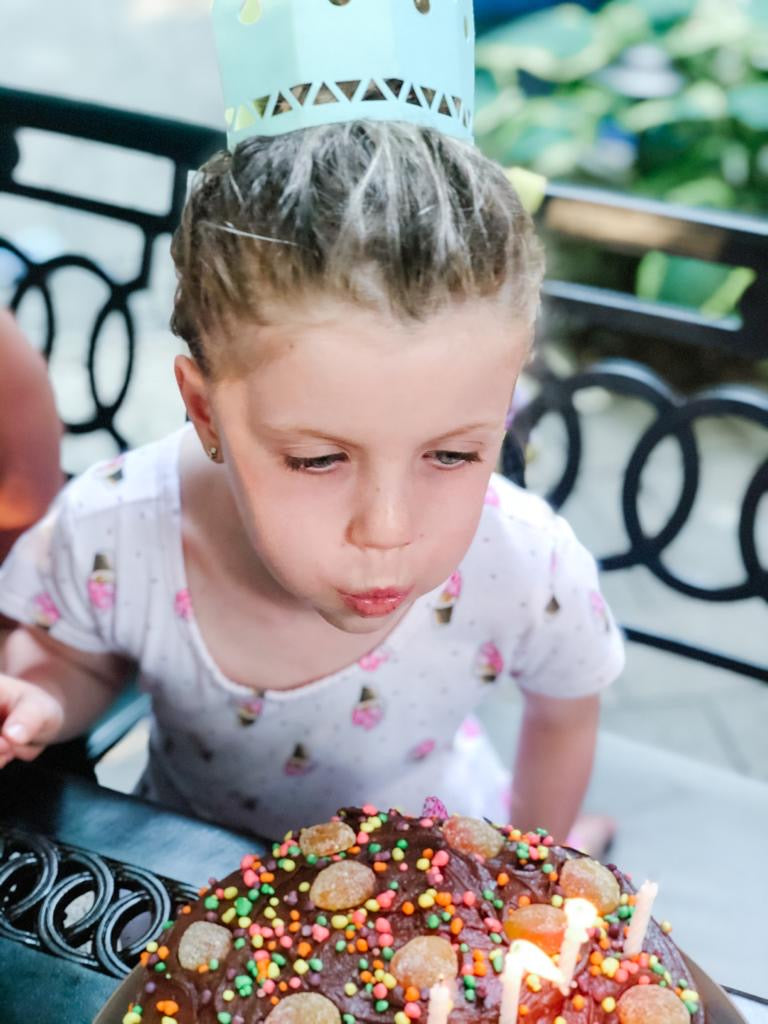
50, 692
30, 432
553, 762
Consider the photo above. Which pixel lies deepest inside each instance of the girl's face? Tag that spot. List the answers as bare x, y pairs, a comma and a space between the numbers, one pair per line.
359, 451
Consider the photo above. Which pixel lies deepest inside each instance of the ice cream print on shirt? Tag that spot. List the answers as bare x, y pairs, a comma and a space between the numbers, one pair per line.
448, 598
490, 663
300, 761
101, 583
369, 710
44, 610
249, 711
111, 472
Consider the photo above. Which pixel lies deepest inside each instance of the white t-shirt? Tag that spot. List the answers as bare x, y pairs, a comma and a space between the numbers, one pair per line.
104, 572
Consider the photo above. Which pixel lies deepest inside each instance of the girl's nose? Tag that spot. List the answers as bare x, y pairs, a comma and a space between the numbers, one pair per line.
382, 518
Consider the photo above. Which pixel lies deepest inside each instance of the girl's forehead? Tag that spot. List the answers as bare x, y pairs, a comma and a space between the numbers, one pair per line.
356, 371
342, 339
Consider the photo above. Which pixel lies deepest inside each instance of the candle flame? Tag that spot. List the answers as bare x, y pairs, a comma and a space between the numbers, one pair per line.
580, 913
534, 960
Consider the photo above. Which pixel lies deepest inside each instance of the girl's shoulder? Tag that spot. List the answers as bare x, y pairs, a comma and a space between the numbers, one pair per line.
520, 516
127, 483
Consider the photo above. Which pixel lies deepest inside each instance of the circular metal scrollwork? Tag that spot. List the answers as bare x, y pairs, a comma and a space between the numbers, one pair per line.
674, 419
77, 905
38, 276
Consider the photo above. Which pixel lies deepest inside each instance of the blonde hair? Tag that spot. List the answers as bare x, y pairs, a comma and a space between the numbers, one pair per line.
396, 217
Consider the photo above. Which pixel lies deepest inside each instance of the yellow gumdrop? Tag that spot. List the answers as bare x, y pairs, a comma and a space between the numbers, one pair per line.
651, 1004
201, 942
473, 835
304, 1008
326, 839
587, 879
343, 885
423, 962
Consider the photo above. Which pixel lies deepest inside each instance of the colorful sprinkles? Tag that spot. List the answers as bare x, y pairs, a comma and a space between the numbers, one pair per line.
423, 910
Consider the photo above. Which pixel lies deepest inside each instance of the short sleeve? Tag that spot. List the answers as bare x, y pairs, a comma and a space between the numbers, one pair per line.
57, 579
574, 648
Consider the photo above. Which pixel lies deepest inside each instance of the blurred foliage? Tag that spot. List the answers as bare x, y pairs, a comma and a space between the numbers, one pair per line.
664, 98
668, 98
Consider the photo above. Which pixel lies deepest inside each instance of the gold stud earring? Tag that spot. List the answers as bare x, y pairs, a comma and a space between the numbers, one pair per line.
213, 453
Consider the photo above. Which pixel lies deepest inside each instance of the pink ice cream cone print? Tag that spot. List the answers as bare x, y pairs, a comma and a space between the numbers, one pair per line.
112, 471
101, 584
299, 763
371, 661
553, 606
369, 710
421, 750
46, 613
182, 605
490, 663
448, 598
250, 711
600, 609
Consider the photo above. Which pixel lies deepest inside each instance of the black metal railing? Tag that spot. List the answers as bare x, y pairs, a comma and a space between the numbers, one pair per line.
185, 146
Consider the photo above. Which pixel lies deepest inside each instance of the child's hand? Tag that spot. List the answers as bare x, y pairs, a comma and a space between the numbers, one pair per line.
30, 719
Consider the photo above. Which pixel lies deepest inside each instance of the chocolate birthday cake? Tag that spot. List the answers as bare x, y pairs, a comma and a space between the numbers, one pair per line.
379, 917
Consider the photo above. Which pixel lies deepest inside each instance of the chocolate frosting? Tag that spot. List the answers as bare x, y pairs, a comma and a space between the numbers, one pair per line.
282, 944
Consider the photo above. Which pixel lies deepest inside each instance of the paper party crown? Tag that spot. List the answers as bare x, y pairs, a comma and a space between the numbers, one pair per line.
289, 64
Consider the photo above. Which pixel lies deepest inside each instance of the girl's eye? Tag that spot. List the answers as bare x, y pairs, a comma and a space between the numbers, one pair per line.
319, 464
450, 459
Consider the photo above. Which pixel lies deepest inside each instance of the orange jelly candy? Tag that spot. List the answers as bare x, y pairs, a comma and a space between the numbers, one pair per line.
473, 835
423, 962
326, 839
203, 941
650, 1004
539, 923
589, 880
343, 885
304, 1008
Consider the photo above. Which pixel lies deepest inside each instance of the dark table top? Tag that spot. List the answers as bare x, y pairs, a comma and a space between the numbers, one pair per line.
63, 837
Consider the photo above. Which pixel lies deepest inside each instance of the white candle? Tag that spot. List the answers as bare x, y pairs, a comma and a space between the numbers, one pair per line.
638, 925
511, 980
440, 1004
581, 915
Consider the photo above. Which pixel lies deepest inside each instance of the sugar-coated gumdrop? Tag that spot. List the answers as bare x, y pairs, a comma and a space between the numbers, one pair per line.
423, 962
342, 885
539, 923
326, 839
201, 942
304, 1008
651, 1004
473, 835
589, 880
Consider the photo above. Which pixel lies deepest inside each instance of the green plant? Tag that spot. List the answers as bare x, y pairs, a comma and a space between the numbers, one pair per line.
664, 98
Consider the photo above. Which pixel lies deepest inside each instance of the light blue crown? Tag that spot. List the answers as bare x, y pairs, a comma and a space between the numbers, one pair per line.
289, 64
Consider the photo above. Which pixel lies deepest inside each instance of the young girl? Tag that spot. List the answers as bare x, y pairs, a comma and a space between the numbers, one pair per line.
317, 580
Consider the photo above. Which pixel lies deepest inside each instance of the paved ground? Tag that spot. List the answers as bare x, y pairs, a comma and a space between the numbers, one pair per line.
155, 55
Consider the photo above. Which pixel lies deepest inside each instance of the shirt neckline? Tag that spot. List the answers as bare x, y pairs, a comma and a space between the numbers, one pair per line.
172, 513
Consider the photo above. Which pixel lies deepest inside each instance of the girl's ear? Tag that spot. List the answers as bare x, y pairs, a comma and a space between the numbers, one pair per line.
194, 388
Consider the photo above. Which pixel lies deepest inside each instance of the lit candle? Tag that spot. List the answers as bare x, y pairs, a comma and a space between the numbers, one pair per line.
511, 980
440, 1003
581, 915
523, 958
638, 925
